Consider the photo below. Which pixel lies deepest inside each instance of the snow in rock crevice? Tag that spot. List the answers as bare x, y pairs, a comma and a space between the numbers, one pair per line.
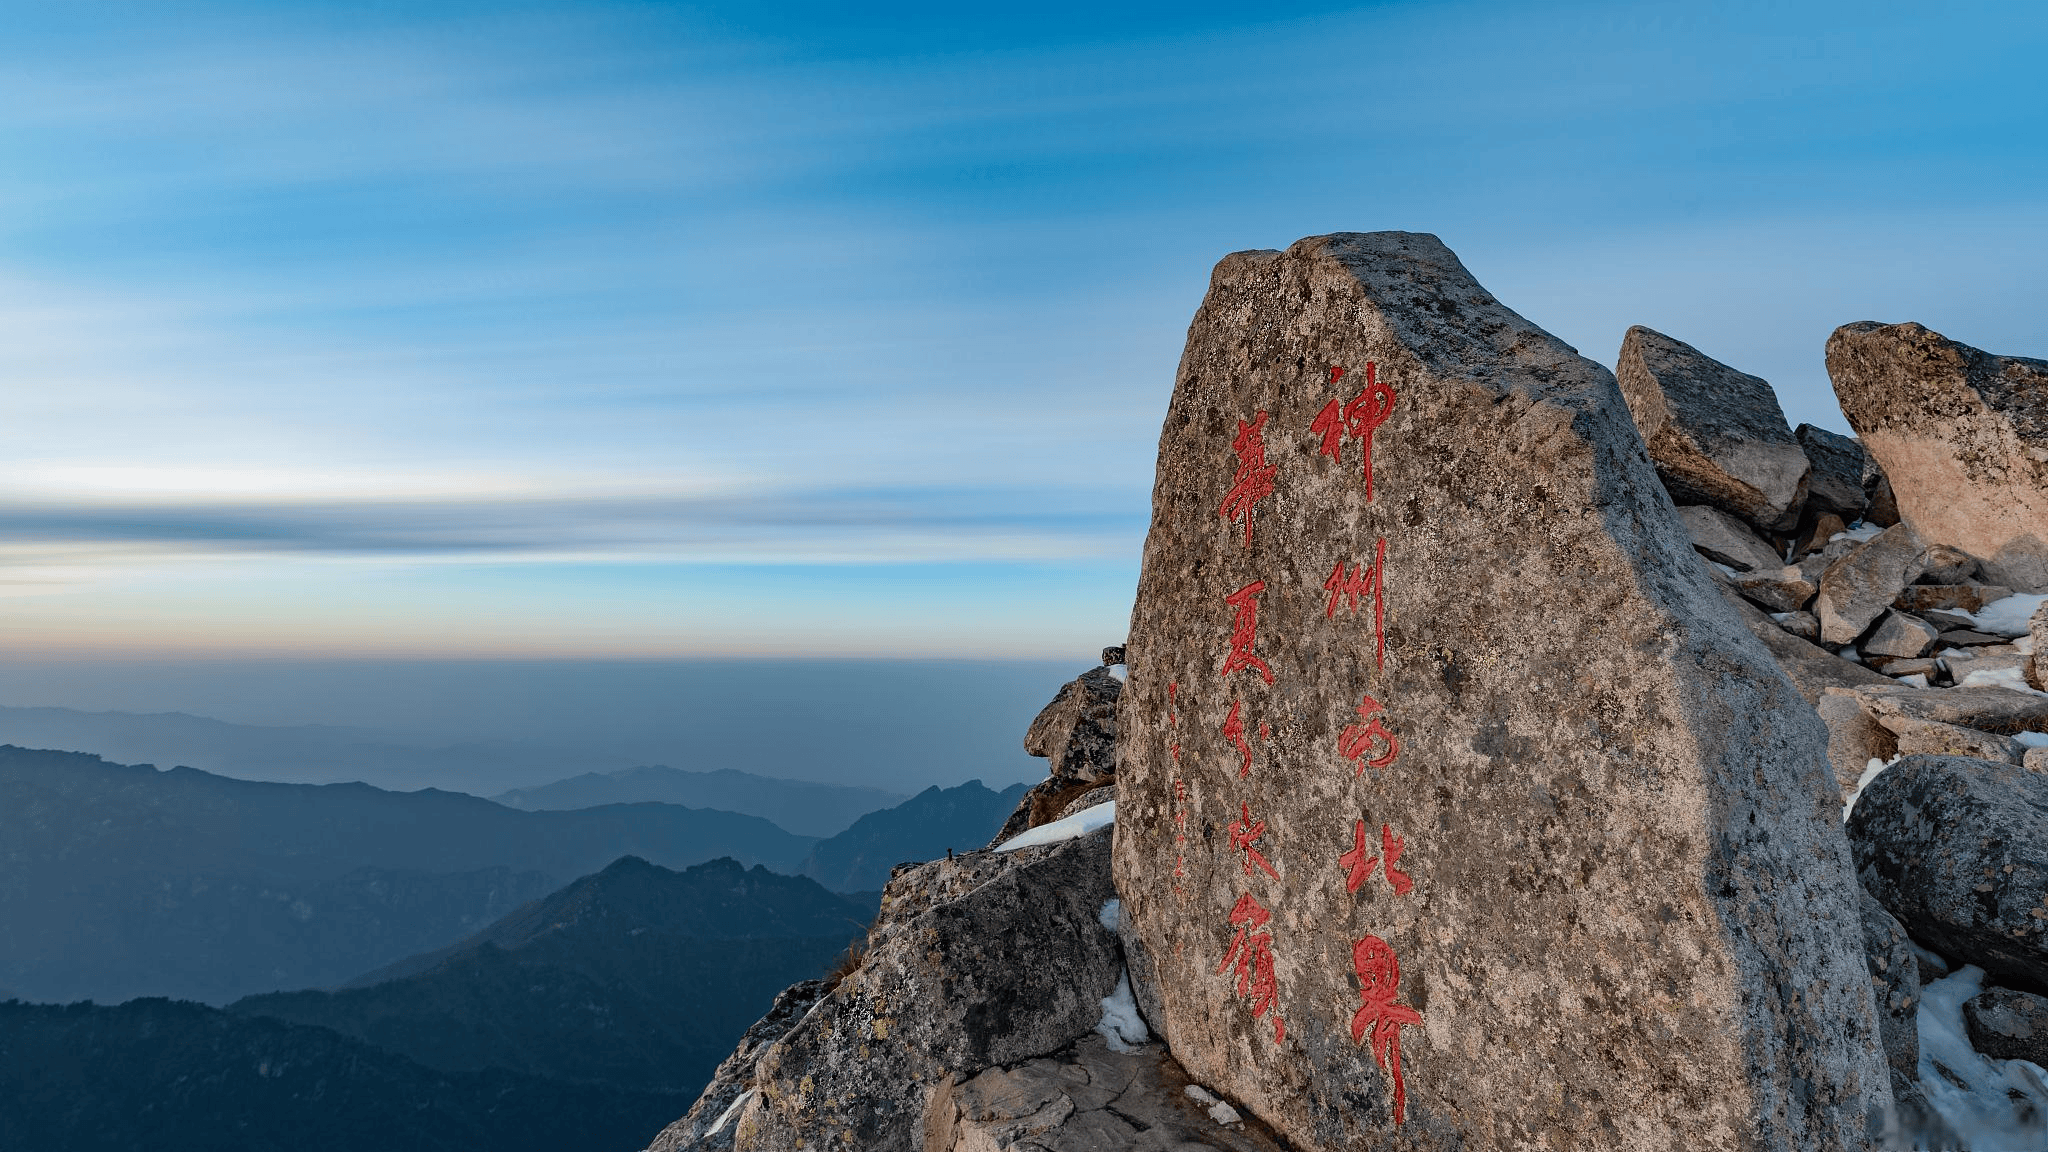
1121, 1025
1991, 1104
1079, 824
2007, 617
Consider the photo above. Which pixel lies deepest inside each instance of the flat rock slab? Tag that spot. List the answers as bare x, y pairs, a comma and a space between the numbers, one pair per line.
2000, 710
1726, 540
1963, 436
1456, 808
1957, 849
1716, 435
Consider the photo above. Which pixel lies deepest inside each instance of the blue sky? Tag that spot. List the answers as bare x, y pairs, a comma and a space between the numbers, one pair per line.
649, 329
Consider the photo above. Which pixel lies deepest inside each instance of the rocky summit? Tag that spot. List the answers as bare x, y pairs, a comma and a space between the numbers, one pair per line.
1476, 770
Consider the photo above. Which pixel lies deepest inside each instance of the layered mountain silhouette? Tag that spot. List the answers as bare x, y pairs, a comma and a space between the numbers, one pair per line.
637, 977
121, 880
926, 826
181, 1077
803, 807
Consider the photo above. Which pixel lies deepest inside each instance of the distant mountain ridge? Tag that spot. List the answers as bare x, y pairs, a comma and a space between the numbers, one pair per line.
801, 806
925, 827
637, 977
118, 881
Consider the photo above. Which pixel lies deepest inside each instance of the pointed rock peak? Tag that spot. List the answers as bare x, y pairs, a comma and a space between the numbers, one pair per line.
1716, 435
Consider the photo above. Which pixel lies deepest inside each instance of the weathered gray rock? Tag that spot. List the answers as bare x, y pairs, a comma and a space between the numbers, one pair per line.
2037, 664
1854, 739
1967, 638
1801, 624
1920, 666
1813, 669
1942, 564
1776, 589
2006, 1024
1621, 913
1962, 435
1857, 589
1077, 730
1999, 710
1901, 635
1726, 540
1835, 487
1716, 435
2036, 760
1957, 849
984, 960
694, 1132
1920, 599
1084, 1099
1932, 738
1895, 982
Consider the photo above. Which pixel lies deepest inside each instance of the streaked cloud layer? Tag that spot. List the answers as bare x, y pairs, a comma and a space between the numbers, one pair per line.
644, 328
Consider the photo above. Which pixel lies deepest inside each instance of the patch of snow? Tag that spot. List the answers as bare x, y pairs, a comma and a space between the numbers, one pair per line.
1930, 961
1990, 1103
1121, 1025
2023, 646
1224, 1114
1732, 572
731, 1110
1848, 652
2007, 617
1110, 908
1871, 771
1783, 617
2007, 677
1079, 824
1119, 671
1860, 533
2032, 739
1917, 679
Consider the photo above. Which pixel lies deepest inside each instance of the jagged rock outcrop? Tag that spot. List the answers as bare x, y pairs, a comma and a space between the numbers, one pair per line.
1962, 436
1455, 808
1957, 849
982, 961
1076, 734
1716, 435
708, 1127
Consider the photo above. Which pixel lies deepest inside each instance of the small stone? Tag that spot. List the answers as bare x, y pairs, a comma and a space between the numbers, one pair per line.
1933, 836
1900, 635
1112, 655
1825, 528
1801, 624
1857, 589
1962, 435
1782, 589
1717, 436
1726, 540
1917, 666
2005, 1024
1966, 638
1835, 489
1931, 738
1919, 599
2036, 759
1942, 564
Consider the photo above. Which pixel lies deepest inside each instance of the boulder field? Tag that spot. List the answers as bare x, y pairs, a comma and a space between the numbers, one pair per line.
1505, 753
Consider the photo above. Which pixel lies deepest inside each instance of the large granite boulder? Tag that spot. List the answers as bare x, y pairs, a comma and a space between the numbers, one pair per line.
1716, 435
984, 960
1963, 436
1957, 849
1457, 808
1836, 485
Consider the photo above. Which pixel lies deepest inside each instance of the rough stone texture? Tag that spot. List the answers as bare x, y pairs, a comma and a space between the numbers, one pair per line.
735, 1073
1716, 435
1883, 509
1776, 589
1813, 669
1825, 527
2006, 1024
1085, 1099
1901, 635
1835, 486
1962, 435
1957, 849
1801, 624
2037, 635
1921, 598
1077, 731
1895, 982
2000, 710
1857, 589
1632, 921
1922, 666
1854, 739
1930, 738
1726, 540
2036, 760
984, 960
1942, 564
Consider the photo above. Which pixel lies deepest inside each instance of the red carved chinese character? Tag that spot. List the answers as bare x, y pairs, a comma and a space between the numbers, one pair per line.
1254, 479
1369, 583
1252, 950
1366, 411
1379, 979
1233, 731
1357, 739
1244, 631
1243, 834
1359, 866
